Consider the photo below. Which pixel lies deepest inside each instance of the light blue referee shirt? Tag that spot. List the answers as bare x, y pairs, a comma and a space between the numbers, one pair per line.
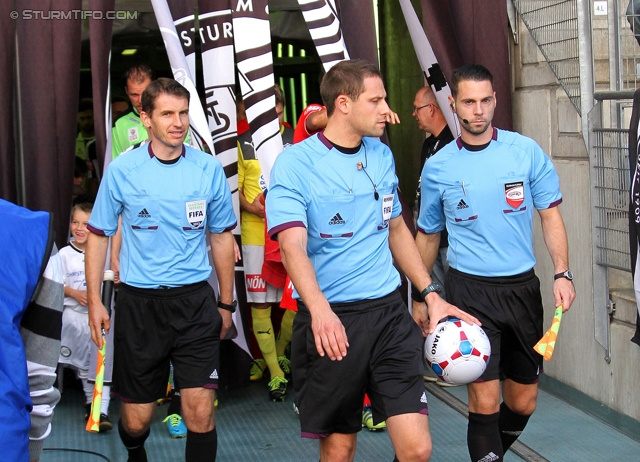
165, 209
316, 186
486, 198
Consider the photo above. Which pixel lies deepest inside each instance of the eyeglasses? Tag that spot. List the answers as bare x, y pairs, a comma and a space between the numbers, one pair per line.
416, 109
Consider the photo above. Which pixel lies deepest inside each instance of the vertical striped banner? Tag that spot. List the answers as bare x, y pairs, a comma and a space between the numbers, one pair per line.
200, 134
178, 27
183, 16
634, 211
252, 39
429, 64
216, 36
218, 67
210, 32
324, 26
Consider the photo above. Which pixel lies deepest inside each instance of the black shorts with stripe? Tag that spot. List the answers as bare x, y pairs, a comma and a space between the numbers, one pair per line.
156, 326
384, 359
510, 310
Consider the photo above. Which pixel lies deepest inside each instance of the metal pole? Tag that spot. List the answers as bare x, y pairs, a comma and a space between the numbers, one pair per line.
614, 57
585, 58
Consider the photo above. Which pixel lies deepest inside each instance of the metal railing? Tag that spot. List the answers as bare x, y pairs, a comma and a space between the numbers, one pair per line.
553, 24
609, 152
611, 197
609, 178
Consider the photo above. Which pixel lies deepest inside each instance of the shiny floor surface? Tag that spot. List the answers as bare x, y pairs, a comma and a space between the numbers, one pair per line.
251, 428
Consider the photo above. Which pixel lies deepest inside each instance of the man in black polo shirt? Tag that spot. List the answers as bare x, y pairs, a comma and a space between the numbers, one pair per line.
431, 120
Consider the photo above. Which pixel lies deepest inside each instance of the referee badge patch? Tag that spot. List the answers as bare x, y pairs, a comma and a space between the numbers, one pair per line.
387, 208
514, 193
196, 213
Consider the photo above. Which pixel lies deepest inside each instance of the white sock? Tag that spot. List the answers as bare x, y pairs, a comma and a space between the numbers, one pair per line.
106, 399
88, 390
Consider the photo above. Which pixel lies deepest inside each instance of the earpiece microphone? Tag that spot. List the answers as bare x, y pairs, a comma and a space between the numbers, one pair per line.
464, 120
453, 108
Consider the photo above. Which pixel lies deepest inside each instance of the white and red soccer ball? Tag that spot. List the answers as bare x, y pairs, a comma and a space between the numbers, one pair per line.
457, 352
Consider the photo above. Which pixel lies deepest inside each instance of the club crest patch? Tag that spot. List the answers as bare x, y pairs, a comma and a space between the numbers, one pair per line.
196, 213
133, 134
514, 193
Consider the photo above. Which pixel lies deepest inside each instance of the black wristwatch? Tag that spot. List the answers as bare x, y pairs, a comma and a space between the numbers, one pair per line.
224, 306
433, 287
566, 274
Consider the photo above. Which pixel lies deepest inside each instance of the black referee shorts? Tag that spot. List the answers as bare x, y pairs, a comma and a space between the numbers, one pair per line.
155, 326
510, 310
384, 359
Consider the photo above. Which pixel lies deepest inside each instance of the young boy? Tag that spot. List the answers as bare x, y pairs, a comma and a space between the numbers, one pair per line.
76, 337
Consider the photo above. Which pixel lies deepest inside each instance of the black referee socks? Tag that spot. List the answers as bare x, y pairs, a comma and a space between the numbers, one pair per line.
175, 405
201, 447
483, 437
134, 444
511, 425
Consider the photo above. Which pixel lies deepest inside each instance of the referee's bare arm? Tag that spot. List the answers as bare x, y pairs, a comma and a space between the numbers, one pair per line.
555, 238
94, 258
223, 253
328, 332
116, 246
428, 245
406, 255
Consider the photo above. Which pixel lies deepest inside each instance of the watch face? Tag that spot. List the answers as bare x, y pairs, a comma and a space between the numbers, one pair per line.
569, 275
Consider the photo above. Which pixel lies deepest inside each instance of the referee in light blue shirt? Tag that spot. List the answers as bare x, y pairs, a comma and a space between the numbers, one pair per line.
168, 195
485, 186
333, 206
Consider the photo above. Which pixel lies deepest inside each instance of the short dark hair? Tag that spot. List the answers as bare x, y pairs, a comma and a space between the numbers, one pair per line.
85, 104
139, 73
80, 168
162, 86
346, 78
85, 207
84, 198
475, 72
279, 94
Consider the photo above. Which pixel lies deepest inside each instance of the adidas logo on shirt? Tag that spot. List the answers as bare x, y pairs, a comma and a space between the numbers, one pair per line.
214, 374
423, 398
144, 214
336, 220
462, 205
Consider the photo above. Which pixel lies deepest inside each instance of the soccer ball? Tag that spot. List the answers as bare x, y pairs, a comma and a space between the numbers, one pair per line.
457, 352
